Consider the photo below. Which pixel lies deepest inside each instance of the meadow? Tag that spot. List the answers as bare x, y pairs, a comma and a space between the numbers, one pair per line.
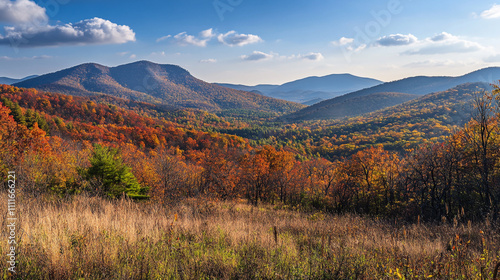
84, 237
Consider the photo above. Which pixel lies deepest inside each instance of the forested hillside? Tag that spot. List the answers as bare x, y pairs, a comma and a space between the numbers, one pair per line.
365, 164
420, 85
154, 83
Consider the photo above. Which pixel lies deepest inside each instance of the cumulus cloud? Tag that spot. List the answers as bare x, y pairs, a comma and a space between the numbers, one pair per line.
312, 56
343, 41
209, 33
184, 39
22, 12
256, 55
232, 38
89, 31
493, 12
348, 44
443, 36
445, 43
210, 60
397, 40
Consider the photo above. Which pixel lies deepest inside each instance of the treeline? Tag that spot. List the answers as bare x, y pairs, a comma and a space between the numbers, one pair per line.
109, 151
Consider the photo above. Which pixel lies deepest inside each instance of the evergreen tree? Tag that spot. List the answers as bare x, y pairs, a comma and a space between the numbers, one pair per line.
15, 110
42, 122
29, 118
113, 176
18, 114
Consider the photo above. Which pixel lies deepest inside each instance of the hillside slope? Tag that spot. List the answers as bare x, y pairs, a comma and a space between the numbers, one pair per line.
312, 89
154, 83
415, 85
351, 107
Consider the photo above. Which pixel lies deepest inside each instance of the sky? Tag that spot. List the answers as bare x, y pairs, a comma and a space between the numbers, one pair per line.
253, 41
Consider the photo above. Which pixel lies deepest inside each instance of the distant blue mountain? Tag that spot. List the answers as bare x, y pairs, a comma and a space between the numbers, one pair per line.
406, 89
330, 83
423, 84
260, 88
10, 81
312, 89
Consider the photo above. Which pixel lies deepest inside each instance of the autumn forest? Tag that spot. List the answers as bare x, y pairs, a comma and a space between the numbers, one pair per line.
433, 160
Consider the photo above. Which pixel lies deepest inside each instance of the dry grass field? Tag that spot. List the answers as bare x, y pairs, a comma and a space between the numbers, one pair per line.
93, 238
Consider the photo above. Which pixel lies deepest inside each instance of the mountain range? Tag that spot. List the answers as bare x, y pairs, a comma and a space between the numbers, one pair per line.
388, 94
154, 83
10, 81
313, 89
175, 87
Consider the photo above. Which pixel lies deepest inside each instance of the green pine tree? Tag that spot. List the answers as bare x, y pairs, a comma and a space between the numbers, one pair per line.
15, 110
112, 174
17, 113
42, 122
29, 118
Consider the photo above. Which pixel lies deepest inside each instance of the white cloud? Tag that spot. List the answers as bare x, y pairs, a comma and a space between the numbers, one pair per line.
209, 33
343, 41
163, 38
89, 31
256, 55
184, 39
132, 56
232, 38
8, 58
311, 56
493, 12
397, 40
158, 53
435, 63
210, 60
444, 43
348, 44
443, 36
22, 12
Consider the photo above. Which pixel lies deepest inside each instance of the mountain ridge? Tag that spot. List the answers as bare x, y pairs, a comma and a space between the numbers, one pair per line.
154, 83
311, 88
417, 86
9, 81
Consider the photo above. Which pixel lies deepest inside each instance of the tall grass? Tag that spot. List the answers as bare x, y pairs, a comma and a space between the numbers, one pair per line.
92, 238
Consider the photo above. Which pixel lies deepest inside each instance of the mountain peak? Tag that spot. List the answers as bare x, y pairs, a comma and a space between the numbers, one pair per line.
154, 83
152, 66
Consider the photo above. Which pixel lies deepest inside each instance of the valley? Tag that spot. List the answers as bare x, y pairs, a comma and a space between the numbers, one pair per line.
90, 132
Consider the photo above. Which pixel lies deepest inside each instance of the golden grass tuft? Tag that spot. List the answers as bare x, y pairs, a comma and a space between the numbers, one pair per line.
93, 238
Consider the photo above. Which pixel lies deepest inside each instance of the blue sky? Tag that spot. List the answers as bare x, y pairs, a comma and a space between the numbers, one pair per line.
253, 41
